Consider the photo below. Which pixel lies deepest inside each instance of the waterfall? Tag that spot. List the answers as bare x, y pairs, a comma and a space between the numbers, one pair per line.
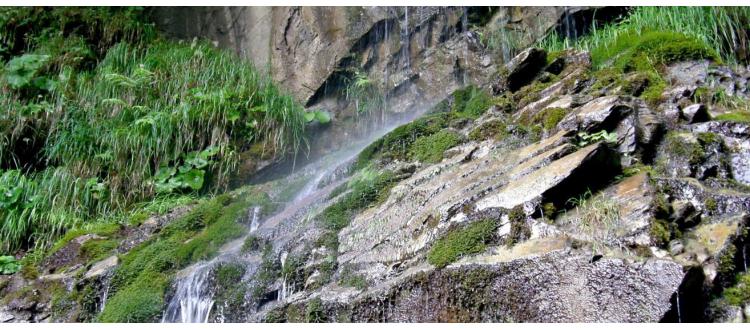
193, 300
405, 41
465, 31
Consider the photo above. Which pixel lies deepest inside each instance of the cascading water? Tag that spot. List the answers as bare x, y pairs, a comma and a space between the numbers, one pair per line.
193, 300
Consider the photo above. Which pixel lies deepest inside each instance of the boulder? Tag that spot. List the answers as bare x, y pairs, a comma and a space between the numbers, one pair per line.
696, 113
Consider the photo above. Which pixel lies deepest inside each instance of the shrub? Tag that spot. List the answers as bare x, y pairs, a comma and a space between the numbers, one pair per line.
314, 311
460, 242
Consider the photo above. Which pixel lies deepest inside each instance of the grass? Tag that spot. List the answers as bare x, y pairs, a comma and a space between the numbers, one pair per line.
596, 217
461, 242
723, 29
111, 115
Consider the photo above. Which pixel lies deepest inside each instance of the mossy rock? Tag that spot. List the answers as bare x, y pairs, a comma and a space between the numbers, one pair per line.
491, 129
461, 242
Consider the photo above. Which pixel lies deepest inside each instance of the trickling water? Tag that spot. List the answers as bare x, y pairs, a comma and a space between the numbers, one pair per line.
105, 294
284, 292
193, 300
255, 222
744, 258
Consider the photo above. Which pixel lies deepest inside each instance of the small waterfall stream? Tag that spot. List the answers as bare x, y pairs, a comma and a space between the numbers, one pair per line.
193, 301
679, 313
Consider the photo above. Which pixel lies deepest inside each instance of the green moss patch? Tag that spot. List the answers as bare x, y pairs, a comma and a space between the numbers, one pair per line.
461, 242
430, 149
737, 117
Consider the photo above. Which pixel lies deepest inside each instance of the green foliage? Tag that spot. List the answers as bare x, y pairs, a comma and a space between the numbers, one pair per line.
739, 294
471, 102
364, 193
323, 117
137, 303
430, 148
97, 249
519, 229
9, 265
397, 143
253, 243
124, 116
460, 242
21, 72
350, 278
188, 176
681, 146
364, 93
584, 138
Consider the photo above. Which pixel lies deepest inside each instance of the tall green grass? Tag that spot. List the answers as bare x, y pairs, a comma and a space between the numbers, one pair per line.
724, 29
117, 107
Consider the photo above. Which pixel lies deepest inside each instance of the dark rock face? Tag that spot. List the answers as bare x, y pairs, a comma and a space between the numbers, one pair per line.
523, 68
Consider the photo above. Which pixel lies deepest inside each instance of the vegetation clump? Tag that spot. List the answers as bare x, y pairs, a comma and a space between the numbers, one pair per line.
430, 149
461, 242
492, 129
739, 294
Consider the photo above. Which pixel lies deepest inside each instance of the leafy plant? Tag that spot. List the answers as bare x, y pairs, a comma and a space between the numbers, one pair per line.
584, 138
188, 176
321, 116
21, 72
9, 265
